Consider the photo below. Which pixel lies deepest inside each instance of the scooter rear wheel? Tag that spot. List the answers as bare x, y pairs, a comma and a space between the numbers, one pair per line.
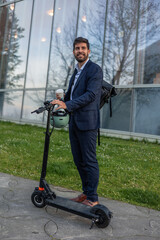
38, 199
104, 219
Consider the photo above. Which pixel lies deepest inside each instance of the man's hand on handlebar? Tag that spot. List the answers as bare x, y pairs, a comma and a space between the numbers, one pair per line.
60, 104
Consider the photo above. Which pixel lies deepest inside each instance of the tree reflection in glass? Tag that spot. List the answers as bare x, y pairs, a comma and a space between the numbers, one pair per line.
120, 41
14, 30
148, 49
64, 32
91, 26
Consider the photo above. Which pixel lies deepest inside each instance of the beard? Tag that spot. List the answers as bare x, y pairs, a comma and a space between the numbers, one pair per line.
81, 58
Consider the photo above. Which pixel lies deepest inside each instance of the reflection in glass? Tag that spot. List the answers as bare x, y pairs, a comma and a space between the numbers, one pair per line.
18, 44
91, 26
11, 105
32, 101
64, 32
120, 41
6, 19
39, 44
121, 105
5, 1
147, 112
50, 95
148, 50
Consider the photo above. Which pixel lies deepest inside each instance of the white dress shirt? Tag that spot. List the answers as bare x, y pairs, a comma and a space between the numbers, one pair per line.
79, 70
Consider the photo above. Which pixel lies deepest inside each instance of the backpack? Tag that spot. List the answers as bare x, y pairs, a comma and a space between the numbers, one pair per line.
107, 92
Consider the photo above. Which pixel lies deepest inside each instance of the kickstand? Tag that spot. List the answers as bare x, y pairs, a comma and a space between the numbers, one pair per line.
93, 222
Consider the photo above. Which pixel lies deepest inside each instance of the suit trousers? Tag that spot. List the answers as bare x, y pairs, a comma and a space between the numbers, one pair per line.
83, 146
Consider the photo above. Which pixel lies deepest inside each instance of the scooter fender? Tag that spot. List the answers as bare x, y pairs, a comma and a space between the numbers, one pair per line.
95, 209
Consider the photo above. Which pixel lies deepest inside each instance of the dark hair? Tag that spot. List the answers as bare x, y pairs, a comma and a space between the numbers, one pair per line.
80, 40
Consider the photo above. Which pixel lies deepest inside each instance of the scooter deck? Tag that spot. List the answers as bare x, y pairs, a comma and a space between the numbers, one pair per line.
72, 207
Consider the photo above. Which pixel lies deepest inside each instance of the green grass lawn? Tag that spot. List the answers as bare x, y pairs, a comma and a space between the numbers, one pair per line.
129, 170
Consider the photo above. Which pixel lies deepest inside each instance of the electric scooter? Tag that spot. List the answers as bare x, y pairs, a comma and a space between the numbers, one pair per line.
43, 195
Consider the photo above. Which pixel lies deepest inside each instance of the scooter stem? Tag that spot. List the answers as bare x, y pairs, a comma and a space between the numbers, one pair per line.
46, 147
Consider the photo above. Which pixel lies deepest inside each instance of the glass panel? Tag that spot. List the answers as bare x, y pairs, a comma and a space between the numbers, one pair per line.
32, 101
147, 118
5, 1
121, 105
50, 95
64, 31
39, 44
148, 51
10, 107
91, 26
18, 45
6, 19
120, 41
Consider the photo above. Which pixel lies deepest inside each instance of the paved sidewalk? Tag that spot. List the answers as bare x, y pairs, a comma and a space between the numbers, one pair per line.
21, 220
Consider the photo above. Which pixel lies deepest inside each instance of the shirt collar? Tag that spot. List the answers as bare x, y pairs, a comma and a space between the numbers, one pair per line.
80, 69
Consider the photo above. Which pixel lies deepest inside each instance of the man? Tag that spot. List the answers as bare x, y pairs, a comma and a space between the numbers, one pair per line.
82, 101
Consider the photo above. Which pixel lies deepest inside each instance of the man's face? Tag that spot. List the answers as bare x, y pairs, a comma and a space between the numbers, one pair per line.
81, 52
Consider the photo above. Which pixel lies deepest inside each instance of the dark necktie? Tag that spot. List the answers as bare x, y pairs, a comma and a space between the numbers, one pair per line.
74, 74
73, 79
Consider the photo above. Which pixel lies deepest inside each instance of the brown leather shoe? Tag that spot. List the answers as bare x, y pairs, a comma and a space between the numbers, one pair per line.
80, 198
89, 203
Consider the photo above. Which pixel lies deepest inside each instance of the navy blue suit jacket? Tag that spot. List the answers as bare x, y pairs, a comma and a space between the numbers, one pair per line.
85, 102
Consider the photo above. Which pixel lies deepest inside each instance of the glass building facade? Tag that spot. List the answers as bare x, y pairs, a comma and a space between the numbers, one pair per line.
36, 58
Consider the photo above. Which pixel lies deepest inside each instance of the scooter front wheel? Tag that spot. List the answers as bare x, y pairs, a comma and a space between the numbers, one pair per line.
38, 199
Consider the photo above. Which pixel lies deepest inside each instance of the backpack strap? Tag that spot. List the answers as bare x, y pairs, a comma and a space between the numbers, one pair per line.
107, 92
98, 136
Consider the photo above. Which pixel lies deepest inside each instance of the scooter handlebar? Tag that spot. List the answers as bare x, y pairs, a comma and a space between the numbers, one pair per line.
39, 110
47, 106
